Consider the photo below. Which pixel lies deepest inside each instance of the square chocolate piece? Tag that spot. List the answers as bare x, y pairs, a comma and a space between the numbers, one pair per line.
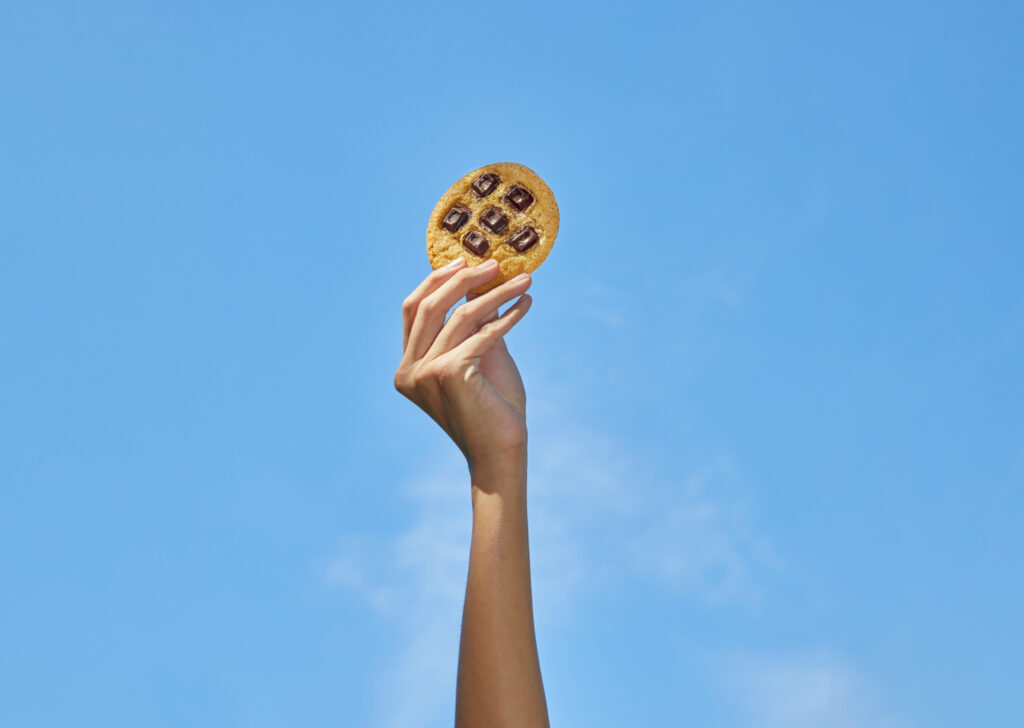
475, 243
519, 198
456, 218
485, 184
493, 219
524, 239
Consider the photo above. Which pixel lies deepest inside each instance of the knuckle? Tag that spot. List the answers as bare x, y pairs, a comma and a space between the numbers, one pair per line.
413, 378
446, 374
437, 370
422, 375
409, 306
431, 305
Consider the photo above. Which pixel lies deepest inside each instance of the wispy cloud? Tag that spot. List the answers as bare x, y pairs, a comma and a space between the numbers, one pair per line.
415, 581
809, 690
601, 516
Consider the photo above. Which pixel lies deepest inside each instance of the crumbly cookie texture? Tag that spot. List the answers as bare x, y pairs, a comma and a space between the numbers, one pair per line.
502, 211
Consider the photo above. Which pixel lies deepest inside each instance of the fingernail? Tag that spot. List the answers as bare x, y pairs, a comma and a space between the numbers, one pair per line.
521, 277
457, 263
489, 263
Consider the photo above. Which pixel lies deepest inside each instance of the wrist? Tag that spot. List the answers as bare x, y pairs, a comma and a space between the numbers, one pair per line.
503, 474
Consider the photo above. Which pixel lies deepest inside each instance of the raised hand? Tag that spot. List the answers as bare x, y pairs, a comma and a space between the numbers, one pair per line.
460, 372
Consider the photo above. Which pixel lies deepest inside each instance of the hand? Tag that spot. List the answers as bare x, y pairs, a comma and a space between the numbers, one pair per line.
460, 372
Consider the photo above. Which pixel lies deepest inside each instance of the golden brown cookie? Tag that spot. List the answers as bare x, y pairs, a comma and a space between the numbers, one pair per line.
502, 211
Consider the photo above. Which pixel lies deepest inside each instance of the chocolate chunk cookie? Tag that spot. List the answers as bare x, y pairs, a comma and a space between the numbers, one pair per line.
502, 211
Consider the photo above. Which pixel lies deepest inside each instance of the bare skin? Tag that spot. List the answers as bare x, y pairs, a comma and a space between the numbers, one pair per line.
462, 375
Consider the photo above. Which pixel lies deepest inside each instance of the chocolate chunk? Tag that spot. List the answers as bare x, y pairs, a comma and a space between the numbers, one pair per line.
524, 239
475, 243
493, 219
519, 198
485, 184
456, 218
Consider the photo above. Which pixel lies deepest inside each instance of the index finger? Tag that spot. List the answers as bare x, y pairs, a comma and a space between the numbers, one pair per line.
429, 284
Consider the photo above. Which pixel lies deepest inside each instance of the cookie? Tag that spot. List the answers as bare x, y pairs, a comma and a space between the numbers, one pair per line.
502, 211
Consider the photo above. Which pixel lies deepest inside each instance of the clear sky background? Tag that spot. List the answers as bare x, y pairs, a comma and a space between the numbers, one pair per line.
774, 360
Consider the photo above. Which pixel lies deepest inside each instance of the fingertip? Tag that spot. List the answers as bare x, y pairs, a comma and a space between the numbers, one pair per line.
520, 307
522, 281
455, 264
440, 275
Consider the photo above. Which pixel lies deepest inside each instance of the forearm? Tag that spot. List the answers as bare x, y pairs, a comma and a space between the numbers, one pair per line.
499, 681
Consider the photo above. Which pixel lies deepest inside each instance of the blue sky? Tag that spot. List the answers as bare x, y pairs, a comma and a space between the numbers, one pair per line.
774, 360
